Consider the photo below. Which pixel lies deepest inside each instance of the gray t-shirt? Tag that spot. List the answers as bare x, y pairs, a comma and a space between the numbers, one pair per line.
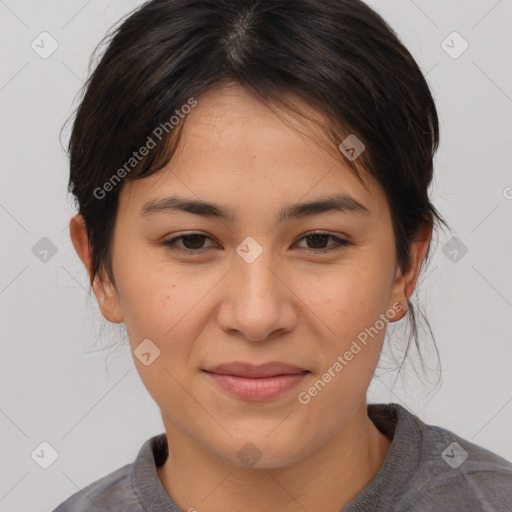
427, 469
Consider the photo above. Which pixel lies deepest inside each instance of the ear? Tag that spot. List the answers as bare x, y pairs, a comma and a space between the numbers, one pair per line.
405, 283
105, 292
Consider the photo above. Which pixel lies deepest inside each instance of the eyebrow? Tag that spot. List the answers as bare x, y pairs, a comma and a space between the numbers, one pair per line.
341, 203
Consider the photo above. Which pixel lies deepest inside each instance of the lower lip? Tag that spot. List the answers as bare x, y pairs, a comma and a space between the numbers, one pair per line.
257, 389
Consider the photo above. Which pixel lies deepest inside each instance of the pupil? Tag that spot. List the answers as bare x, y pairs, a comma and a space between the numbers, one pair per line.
186, 241
317, 238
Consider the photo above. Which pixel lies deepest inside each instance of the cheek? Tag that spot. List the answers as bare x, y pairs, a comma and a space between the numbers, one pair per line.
162, 311
165, 306
158, 300
347, 300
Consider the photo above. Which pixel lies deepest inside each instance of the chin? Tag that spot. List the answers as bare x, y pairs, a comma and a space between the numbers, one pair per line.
267, 450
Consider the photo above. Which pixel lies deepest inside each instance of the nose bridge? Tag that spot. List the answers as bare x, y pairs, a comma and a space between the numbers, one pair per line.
252, 268
257, 305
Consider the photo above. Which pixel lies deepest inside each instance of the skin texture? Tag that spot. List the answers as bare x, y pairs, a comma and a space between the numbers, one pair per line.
288, 305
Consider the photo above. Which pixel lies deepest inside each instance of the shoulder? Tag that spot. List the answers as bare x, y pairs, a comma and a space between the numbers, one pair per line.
121, 489
464, 475
110, 492
453, 452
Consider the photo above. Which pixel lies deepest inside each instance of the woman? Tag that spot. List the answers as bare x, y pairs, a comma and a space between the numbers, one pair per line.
251, 179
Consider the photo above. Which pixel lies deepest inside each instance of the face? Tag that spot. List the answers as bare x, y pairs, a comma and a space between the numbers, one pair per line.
311, 289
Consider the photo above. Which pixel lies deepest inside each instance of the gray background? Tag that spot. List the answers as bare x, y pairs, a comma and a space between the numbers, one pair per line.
61, 384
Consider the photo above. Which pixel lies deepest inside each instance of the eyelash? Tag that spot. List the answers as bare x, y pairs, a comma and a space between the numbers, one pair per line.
170, 244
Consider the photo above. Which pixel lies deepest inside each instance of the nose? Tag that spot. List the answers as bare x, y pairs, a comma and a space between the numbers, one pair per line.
258, 303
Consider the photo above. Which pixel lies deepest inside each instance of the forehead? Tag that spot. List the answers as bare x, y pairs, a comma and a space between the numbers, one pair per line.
236, 149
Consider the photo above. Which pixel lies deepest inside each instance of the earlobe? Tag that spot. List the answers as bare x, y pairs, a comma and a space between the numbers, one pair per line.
108, 301
105, 292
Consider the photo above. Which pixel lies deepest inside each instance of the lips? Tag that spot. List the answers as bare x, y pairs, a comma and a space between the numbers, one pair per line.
272, 369
256, 383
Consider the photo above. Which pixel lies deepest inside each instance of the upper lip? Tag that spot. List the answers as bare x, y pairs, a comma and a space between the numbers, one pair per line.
241, 369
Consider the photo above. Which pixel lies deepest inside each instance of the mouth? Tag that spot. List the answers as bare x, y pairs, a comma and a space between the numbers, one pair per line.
256, 382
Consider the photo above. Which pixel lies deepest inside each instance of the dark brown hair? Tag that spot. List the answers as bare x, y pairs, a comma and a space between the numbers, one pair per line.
339, 56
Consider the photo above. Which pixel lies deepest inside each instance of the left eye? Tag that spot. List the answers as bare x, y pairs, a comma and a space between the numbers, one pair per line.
193, 243
317, 238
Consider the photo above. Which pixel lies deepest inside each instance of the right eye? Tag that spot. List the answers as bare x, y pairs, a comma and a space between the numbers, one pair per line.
194, 241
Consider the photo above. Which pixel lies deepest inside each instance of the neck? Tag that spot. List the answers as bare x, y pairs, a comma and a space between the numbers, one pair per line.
327, 479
